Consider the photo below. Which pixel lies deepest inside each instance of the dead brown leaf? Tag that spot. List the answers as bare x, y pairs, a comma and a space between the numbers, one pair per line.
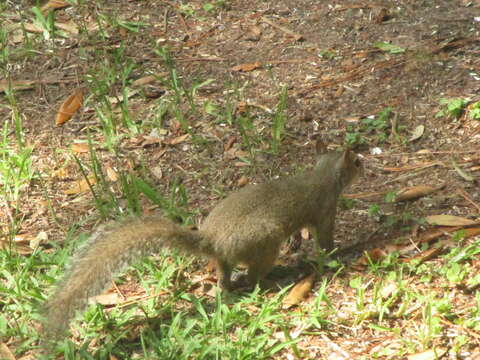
70, 27
61, 173
22, 244
5, 352
242, 181
415, 192
449, 220
80, 148
54, 5
144, 80
254, 33
370, 255
471, 232
111, 174
240, 108
228, 145
435, 233
69, 107
376, 195
16, 85
179, 139
432, 354
299, 292
108, 299
412, 167
80, 186
33, 28
247, 67
427, 254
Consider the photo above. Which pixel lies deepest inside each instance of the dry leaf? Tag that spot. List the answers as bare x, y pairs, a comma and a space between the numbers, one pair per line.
471, 232
5, 352
427, 254
157, 172
417, 133
339, 92
60, 173
117, 99
80, 186
413, 167
179, 139
69, 107
144, 80
415, 192
70, 27
254, 33
377, 195
299, 292
106, 299
247, 67
432, 354
462, 173
388, 290
371, 255
150, 140
54, 5
449, 220
80, 148
240, 108
228, 145
33, 28
242, 181
16, 85
41, 237
435, 233
111, 174
21, 245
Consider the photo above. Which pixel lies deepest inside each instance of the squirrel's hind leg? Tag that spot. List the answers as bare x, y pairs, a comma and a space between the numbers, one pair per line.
224, 273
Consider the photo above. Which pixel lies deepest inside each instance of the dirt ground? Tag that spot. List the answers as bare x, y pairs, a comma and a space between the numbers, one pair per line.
324, 53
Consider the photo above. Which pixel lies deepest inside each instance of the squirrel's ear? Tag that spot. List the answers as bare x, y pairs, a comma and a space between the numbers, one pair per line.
320, 147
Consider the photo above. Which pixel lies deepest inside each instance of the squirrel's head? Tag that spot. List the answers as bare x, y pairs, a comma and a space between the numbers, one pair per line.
345, 165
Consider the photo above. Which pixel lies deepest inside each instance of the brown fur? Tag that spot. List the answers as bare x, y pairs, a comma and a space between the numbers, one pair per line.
248, 227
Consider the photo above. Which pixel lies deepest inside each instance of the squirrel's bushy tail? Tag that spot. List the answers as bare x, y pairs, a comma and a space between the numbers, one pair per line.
107, 252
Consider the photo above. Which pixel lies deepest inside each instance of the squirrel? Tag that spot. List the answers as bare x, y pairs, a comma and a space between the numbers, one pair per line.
247, 227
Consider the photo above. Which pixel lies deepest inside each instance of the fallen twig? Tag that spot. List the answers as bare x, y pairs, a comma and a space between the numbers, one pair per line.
296, 36
467, 197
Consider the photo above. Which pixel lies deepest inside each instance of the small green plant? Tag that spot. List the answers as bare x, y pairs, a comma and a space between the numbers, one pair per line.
46, 23
16, 170
431, 326
4, 50
390, 48
453, 108
187, 10
475, 111
372, 129
278, 121
214, 6
374, 210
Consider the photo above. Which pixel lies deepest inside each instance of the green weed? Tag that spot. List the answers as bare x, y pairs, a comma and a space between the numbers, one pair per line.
453, 108
373, 129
